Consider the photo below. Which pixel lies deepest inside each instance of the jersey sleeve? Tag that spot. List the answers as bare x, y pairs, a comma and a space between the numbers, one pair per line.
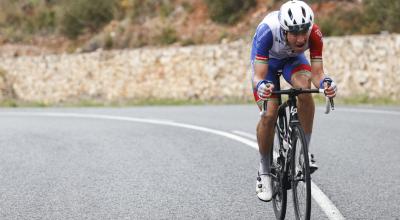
316, 44
264, 40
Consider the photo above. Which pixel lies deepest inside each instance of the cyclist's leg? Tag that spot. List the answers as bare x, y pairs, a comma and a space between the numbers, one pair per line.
265, 136
297, 72
265, 127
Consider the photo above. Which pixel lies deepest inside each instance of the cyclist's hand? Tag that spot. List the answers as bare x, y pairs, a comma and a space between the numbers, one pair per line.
330, 87
264, 89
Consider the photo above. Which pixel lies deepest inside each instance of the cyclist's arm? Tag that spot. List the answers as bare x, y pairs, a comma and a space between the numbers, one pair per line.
260, 72
264, 40
316, 46
317, 72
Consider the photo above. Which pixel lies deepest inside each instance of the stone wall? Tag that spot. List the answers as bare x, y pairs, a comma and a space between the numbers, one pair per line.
360, 65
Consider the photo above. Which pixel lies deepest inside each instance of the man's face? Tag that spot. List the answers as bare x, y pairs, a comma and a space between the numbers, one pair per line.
297, 41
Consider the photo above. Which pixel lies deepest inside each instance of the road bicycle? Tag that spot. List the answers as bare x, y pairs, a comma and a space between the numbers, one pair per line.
290, 158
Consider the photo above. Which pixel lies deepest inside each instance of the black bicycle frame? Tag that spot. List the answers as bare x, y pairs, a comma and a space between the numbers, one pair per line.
285, 127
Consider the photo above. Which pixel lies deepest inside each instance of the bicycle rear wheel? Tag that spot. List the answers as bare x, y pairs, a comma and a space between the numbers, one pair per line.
279, 196
300, 175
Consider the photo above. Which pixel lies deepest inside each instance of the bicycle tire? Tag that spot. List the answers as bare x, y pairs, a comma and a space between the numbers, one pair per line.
279, 198
300, 175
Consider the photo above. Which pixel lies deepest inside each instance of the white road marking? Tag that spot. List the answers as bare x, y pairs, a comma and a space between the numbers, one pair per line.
322, 200
150, 121
245, 134
325, 203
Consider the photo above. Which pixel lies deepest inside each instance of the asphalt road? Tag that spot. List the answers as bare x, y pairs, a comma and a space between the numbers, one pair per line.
127, 166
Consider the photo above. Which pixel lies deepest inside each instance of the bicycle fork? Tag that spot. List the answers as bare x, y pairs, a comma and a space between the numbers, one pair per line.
283, 156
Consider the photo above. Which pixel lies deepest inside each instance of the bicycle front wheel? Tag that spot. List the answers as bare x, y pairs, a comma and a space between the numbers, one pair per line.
300, 175
279, 176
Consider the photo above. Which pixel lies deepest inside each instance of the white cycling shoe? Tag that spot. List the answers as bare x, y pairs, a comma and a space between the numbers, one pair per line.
264, 188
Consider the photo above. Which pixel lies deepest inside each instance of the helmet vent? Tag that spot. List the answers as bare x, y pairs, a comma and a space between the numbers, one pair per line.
290, 14
294, 22
304, 11
303, 21
286, 23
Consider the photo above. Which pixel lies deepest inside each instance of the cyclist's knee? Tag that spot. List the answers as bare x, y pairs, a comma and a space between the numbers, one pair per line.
268, 120
301, 81
305, 97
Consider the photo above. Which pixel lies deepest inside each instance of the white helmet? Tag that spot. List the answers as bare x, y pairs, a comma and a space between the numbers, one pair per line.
296, 16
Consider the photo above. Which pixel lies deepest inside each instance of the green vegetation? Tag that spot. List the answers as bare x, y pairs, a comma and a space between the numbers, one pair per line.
381, 15
373, 17
341, 22
139, 10
21, 20
228, 11
10, 103
167, 36
88, 14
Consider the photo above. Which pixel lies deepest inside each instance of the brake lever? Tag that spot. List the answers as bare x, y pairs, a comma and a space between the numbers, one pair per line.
330, 104
327, 106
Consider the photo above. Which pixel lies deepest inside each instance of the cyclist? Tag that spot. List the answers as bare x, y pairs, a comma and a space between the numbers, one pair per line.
279, 44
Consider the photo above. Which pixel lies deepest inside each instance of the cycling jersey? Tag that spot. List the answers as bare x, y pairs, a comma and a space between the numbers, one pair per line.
270, 47
269, 41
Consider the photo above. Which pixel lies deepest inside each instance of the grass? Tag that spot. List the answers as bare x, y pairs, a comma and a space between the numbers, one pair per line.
319, 100
9, 103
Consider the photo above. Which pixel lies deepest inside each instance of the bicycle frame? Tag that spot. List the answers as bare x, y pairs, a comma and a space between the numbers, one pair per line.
285, 127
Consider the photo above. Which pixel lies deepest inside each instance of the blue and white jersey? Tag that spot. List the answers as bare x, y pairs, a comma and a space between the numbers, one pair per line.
269, 41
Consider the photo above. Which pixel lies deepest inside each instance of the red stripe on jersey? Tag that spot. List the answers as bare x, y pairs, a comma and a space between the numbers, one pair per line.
315, 42
301, 67
259, 57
